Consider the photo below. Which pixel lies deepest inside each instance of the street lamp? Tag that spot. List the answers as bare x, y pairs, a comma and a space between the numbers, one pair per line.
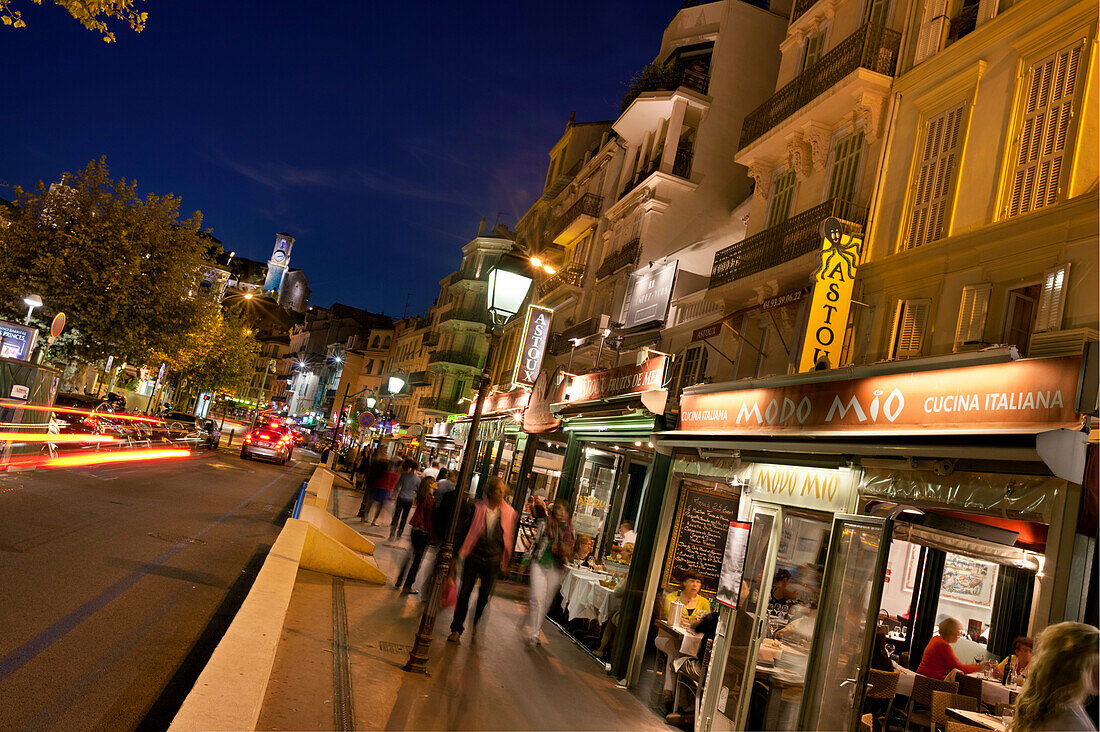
397, 381
371, 401
509, 283
32, 301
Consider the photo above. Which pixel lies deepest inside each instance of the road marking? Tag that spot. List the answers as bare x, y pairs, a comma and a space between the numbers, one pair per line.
36, 645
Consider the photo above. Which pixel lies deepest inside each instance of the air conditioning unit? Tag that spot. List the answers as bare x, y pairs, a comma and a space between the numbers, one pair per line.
1060, 342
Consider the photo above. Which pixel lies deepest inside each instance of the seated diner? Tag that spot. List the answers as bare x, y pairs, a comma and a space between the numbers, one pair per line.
1018, 660
939, 658
695, 607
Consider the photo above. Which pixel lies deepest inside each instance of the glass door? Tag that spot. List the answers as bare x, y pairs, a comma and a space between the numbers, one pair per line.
748, 622
836, 677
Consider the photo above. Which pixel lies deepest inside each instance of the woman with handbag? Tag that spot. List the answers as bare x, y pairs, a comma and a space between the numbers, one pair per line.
551, 551
422, 534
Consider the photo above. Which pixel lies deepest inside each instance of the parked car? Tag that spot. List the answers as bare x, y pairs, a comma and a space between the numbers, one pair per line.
200, 431
268, 442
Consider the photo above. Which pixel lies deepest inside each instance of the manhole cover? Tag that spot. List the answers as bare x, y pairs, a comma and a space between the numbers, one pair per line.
175, 538
395, 648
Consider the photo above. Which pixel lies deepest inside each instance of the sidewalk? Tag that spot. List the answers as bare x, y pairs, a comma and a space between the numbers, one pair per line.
492, 681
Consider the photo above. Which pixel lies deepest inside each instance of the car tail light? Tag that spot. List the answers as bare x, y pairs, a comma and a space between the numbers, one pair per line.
248, 437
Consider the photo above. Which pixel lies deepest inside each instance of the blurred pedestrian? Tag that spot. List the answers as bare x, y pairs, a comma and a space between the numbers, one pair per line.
485, 552
421, 534
404, 495
1061, 676
552, 549
444, 482
376, 489
362, 467
232, 433
433, 470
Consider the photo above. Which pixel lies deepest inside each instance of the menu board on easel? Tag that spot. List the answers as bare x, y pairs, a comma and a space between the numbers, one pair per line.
699, 535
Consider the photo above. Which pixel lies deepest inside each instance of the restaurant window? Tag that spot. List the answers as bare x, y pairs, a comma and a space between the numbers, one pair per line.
934, 182
907, 336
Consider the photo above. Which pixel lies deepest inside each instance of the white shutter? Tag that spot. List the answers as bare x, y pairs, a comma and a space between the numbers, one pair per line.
972, 313
909, 323
935, 180
1052, 300
932, 24
987, 10
1044, 131
782, 195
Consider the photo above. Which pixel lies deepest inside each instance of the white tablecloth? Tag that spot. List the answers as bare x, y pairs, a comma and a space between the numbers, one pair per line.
585, 597
993, 692
688, 641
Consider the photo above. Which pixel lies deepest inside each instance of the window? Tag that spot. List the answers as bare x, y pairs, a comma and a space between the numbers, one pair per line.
374, 343
972, 314
932, 25
370, 367
878, 12
1052, 299
935, 179
811, 49
782, 195
693, 369
844, 176
1020, 316
1048, 108
907, 337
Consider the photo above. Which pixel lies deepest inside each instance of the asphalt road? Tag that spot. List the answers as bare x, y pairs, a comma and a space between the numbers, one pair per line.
118, 581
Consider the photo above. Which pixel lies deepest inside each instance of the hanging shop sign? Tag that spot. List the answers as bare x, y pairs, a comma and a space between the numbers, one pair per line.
832, 299
733, 320
1027, 394
509, 401
536, 331
818, 489
548, 389
17, 341
616, 382
487, 430
648, 295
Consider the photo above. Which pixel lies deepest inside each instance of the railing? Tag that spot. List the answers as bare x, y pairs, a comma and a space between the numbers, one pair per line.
467, 315
419, 378
871, 47
572, 274
666, 79
963, 24
625, 257
459, 276
681, 165
431, 339
693, 310
587, 205
647, 170
440, 404
463, 358
800, 8
798, 235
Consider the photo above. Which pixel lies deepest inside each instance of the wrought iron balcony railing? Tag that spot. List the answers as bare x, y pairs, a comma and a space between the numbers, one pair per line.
871, 47
440, 404
681, 165
462, 358
587, 205
431, 339
625, 257
666, 79
467, 315
798, 235
800, 8
419, 378
572, 274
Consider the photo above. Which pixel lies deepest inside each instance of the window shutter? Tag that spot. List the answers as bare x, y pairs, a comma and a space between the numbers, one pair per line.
1044, 131
1052, 300
811, 50
931, 29
935, 179
909, 323
844, 175
878, 11
987, 10
782, 194
972, 314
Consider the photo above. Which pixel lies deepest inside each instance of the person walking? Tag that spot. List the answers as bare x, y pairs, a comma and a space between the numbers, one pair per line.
444, 482
551, 551
485, 552
376, 490
405, 494
422, 534
433, 470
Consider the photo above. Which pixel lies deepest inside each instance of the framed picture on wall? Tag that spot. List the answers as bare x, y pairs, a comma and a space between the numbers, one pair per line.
911, 568
968, 580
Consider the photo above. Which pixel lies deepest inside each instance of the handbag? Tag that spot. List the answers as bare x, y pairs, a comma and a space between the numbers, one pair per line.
449, 596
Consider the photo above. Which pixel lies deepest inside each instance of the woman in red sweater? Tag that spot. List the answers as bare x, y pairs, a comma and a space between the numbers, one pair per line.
939, 658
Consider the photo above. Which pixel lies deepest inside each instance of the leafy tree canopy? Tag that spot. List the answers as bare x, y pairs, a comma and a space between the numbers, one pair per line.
121, 267
92, 14
218, 354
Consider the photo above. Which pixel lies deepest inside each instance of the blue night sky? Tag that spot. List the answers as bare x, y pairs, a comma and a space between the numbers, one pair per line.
378, 134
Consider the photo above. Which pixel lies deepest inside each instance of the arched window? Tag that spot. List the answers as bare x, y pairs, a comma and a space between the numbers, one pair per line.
374, 343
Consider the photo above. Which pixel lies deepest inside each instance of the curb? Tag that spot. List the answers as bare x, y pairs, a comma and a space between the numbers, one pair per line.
229, 693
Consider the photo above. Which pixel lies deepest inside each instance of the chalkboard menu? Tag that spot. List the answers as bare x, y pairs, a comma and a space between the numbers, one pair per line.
699, 535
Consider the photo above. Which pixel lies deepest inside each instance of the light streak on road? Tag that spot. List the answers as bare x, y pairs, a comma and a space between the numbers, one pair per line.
88, 413
56, 439
101, 458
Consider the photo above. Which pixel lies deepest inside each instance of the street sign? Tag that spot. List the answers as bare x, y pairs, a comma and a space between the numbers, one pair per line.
57, 325
366, 420
110, 363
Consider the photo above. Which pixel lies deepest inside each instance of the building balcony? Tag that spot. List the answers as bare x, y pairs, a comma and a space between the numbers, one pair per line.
681, 168
458, 358
443, 404
583, 214
626, 256
666, 79
478, 316
871, 48
419, 378
795, 237
686, 312
462, 275
571, 275
430, 339
654, 99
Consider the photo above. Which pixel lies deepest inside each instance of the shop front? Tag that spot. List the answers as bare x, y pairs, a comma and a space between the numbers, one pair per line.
881, 498
499, 440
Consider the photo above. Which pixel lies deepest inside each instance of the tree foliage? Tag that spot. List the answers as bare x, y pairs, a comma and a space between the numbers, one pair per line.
92, 14
218, 354
121, 267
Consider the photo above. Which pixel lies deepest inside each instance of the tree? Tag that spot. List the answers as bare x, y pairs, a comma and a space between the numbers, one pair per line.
218, 354
92, 14
122, 268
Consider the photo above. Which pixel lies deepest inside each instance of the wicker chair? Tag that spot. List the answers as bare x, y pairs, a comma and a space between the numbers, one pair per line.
919, 710
882, 687
942, 700
956, 726
971, 687
867, 723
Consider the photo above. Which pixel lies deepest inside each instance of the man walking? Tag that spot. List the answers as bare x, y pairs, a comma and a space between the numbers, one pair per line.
405, 491
485, 552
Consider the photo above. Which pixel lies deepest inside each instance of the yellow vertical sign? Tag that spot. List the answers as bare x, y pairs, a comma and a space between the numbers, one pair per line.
832, 299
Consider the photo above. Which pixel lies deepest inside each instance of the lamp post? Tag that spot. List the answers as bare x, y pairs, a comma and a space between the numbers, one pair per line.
509, 283
32, 302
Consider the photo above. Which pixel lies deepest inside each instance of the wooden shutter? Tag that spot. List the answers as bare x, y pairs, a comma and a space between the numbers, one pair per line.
1052, 300
877, 12
845, 173
811, 49
930, 36
987, 10
909, 322
972, 314
782, 195
1044, 131
935, 179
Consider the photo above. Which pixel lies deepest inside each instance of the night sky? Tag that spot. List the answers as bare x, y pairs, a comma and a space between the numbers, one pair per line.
378, 134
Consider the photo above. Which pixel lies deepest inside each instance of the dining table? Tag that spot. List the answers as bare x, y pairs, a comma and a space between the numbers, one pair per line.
994, 692
585, 597
977, 719
685, 639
